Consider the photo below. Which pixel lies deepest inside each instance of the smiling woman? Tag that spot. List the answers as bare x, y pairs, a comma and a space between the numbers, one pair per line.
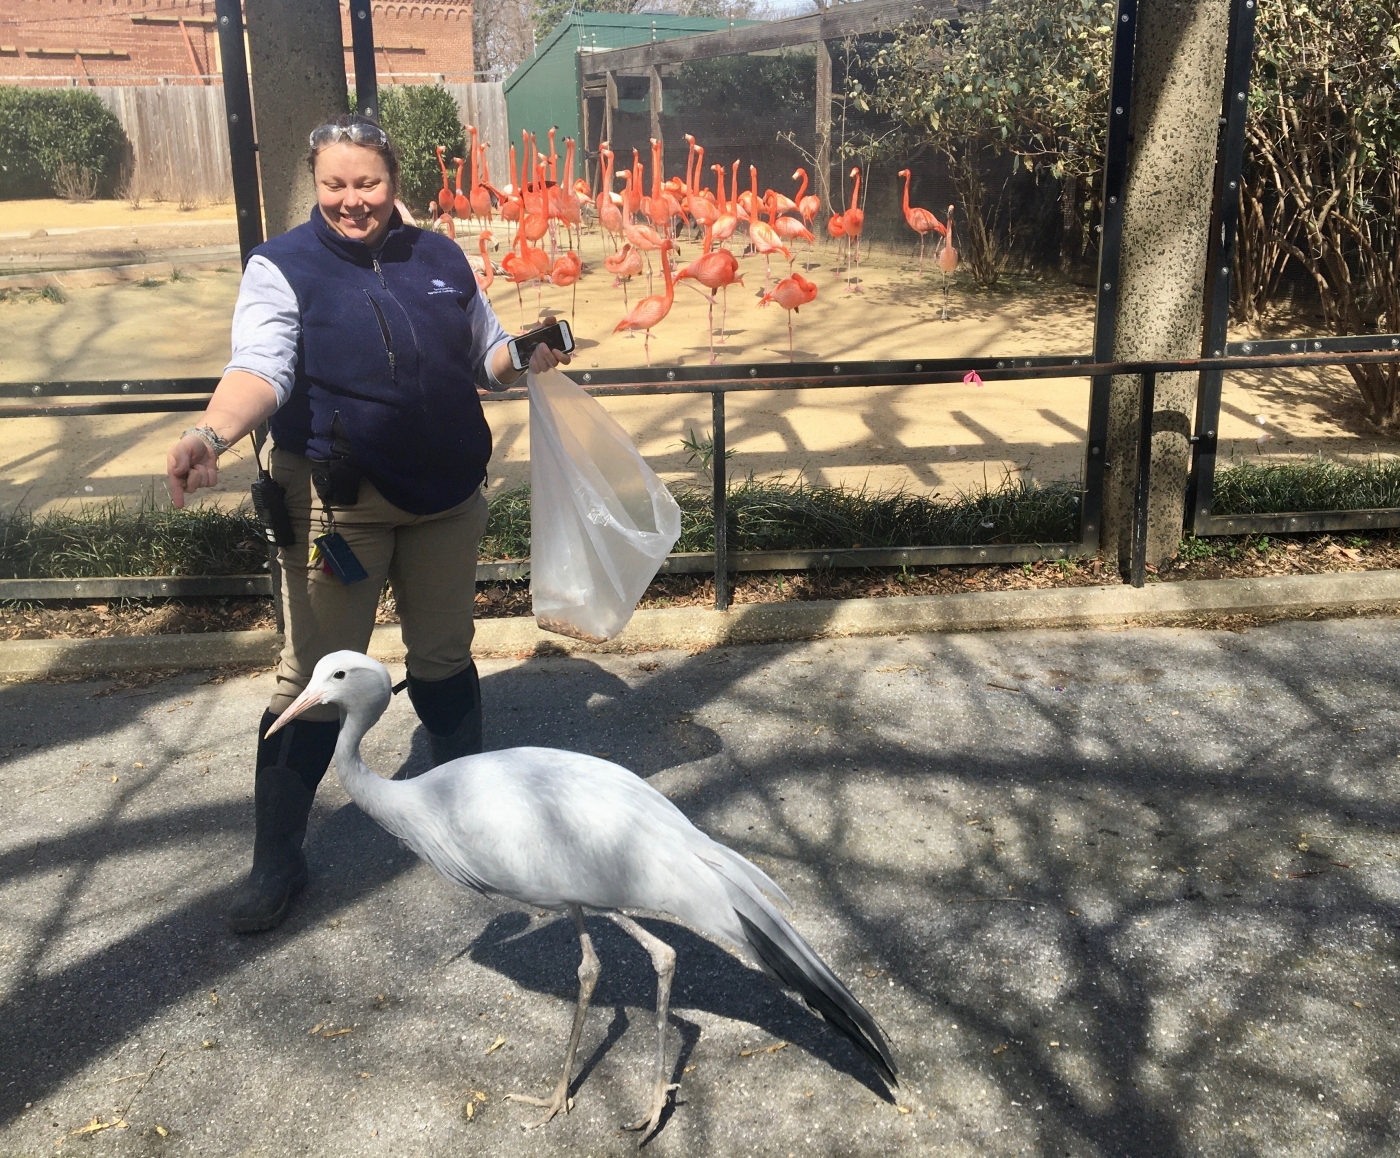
364, 341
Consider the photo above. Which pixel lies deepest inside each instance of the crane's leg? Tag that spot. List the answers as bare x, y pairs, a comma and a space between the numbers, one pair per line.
559, 1102
663, 960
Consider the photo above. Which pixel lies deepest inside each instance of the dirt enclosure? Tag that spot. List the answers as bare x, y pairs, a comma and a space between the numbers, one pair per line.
926, 438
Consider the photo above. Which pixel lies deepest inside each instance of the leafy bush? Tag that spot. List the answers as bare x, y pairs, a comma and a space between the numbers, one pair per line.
418, 118
47, 133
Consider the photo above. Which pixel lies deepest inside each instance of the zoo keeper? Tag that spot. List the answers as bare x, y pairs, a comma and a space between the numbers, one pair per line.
364, 340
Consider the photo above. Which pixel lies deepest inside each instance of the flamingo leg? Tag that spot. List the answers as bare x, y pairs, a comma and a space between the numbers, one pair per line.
713, 359
521, 298
573, 308
559, 1102
921, 254
663, 960
723, 315
790, 354
646, 347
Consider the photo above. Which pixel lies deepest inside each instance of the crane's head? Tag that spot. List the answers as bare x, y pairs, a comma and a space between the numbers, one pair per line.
353, 682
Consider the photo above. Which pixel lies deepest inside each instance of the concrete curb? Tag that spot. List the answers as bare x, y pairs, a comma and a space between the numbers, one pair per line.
692, 629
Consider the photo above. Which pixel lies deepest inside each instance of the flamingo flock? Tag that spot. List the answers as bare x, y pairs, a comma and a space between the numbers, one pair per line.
647, 220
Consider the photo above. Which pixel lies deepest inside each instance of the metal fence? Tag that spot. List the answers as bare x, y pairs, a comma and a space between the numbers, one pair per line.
53, 399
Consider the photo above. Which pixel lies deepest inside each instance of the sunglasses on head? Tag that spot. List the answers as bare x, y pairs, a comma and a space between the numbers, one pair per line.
360, 133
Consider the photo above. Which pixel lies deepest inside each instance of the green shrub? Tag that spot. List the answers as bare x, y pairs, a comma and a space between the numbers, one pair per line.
44, 132
1314, 484
419, 118
114, 539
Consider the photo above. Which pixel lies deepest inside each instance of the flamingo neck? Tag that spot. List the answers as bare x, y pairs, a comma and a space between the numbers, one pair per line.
802, 188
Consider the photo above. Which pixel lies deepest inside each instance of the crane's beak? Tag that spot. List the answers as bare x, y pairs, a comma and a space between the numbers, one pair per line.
307, 699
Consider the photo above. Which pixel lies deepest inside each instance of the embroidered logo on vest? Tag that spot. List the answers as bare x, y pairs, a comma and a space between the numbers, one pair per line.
441, 287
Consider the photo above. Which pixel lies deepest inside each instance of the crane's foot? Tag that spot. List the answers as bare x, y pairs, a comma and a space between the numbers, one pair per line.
558, 1103
659, 1097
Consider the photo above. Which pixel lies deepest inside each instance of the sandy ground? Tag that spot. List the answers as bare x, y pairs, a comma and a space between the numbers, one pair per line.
23, 217
928, 438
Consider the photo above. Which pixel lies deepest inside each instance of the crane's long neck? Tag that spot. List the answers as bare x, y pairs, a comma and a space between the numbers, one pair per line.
382, 800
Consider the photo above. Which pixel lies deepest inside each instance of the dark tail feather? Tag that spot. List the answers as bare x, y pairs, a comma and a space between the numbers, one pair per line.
823, 991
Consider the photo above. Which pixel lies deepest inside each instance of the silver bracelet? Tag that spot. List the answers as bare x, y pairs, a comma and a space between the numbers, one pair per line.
209, 436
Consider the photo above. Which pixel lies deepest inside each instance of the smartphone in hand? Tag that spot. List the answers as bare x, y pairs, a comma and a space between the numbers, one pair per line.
556, 337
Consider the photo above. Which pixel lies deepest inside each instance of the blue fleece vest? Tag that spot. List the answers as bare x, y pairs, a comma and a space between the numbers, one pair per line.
386, 346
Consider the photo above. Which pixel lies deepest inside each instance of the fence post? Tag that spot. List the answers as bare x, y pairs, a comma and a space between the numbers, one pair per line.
1147, 398
1115, 180
721, 514
362, 47
1225, 220
238, 115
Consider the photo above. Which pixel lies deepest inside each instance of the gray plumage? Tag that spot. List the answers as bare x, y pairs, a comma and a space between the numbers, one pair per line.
561, 830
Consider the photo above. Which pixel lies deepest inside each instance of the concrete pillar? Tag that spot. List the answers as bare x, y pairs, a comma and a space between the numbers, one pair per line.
821, 179
298, 81
654, 93
1178, 81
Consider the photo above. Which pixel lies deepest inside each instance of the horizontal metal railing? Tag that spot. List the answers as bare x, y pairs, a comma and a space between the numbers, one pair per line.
129, 396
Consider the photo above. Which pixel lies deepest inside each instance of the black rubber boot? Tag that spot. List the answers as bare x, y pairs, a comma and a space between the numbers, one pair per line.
291, 764
451, 711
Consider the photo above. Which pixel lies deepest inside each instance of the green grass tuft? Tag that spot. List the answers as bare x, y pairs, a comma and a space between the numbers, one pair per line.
769, 515
113, 539
1312, 485
778, 515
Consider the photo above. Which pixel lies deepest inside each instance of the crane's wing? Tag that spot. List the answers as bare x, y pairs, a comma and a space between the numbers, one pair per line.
552, 828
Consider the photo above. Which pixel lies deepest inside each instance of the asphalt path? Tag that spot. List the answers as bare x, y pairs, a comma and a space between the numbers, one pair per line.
1110, 893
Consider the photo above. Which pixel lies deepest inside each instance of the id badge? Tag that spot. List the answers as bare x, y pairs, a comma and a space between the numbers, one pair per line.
338, 556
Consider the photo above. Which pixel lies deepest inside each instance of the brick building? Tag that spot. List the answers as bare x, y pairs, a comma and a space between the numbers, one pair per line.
92, 42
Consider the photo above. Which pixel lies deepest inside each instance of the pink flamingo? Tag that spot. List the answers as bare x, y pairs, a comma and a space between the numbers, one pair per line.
651, 310
448, 226
921, 221
624, 266
479, 199
854, 221
460, 205
792, 293
716, 269
567, 269
808, 207
487, 274
609, 214
790, 228
947, 258
444, 197
762, 236
570, 212
520, 270
727, 221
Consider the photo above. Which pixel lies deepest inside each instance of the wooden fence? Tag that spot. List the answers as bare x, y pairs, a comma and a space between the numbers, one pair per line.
484, 105
179, 146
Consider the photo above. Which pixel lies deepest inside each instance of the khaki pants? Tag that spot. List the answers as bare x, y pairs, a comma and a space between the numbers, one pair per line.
428, 560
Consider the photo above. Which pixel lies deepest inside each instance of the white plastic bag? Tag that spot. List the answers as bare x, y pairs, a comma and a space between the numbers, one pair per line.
601, 522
